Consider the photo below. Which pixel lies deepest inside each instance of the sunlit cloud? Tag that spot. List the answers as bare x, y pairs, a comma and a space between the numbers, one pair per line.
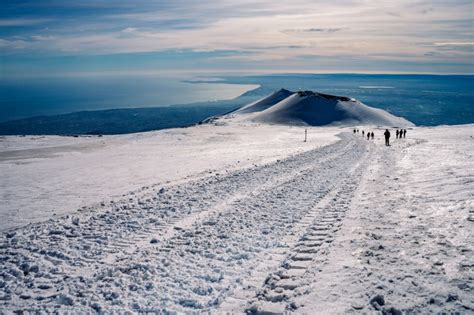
454, 44
21, 21
426, 32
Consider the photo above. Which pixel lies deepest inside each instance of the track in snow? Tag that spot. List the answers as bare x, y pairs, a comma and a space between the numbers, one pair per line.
241, 239
305, 251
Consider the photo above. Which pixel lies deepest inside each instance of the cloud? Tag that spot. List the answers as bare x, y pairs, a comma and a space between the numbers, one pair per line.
259, 30
454, 44
9, 22
314, 30
42, 38
13, 44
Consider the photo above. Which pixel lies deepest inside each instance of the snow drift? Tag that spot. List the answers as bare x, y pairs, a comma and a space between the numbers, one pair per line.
317, 109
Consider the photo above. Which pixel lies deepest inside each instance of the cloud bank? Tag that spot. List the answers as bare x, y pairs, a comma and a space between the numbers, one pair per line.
339, 35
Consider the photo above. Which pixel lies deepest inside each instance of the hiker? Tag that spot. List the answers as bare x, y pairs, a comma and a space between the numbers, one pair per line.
396, 134
372, 135
362, 133
404, 133
387, 137
368, 135
354, 131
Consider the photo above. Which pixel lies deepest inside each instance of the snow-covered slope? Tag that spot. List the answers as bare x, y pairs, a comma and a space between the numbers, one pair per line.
34, 169
316, 109
264, 223
265, 102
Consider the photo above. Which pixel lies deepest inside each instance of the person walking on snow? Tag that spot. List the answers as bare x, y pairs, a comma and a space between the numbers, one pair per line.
368, 135
396, 134
372, 135
404, 133
387, 137
362, 133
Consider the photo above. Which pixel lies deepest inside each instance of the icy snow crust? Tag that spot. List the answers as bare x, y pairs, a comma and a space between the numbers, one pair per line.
348, 226
316, 109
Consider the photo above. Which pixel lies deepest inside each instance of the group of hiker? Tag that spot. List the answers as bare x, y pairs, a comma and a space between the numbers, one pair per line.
402, 133
370, 135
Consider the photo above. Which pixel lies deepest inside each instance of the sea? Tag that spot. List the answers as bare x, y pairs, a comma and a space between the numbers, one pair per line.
24, 98
424, 99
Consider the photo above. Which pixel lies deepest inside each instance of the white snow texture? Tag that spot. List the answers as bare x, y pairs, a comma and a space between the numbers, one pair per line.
241, 217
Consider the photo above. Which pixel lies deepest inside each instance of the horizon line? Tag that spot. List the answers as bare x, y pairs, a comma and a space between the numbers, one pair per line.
210, 73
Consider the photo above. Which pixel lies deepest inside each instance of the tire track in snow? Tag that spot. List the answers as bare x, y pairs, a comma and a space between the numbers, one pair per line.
289, 281
252, 184
274, 293
206, 262
105, 260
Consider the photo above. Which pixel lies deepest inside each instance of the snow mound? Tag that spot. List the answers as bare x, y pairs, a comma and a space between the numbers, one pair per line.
317, 109
265, 102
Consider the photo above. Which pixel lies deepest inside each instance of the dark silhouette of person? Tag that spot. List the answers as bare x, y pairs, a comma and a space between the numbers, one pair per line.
387, 137
362, 133
368, 135
354, 131
404, 133
396, 134
372, 135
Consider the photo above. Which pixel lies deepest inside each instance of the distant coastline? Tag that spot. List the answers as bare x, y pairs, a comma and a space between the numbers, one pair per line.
123, 120
426, 100
29, 97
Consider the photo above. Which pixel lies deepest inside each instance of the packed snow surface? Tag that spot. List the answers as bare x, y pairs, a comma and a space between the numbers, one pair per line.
240, 218
45, 177
316, 109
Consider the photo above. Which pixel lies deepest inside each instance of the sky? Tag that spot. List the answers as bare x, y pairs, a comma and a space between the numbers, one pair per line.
56, 37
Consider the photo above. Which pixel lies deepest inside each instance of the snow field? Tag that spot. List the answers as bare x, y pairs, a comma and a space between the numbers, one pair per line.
350, 227
407, 241
47, 177
101, 254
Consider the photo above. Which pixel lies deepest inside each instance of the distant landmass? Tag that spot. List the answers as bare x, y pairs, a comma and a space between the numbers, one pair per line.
114, 121
122, 121
425, 100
